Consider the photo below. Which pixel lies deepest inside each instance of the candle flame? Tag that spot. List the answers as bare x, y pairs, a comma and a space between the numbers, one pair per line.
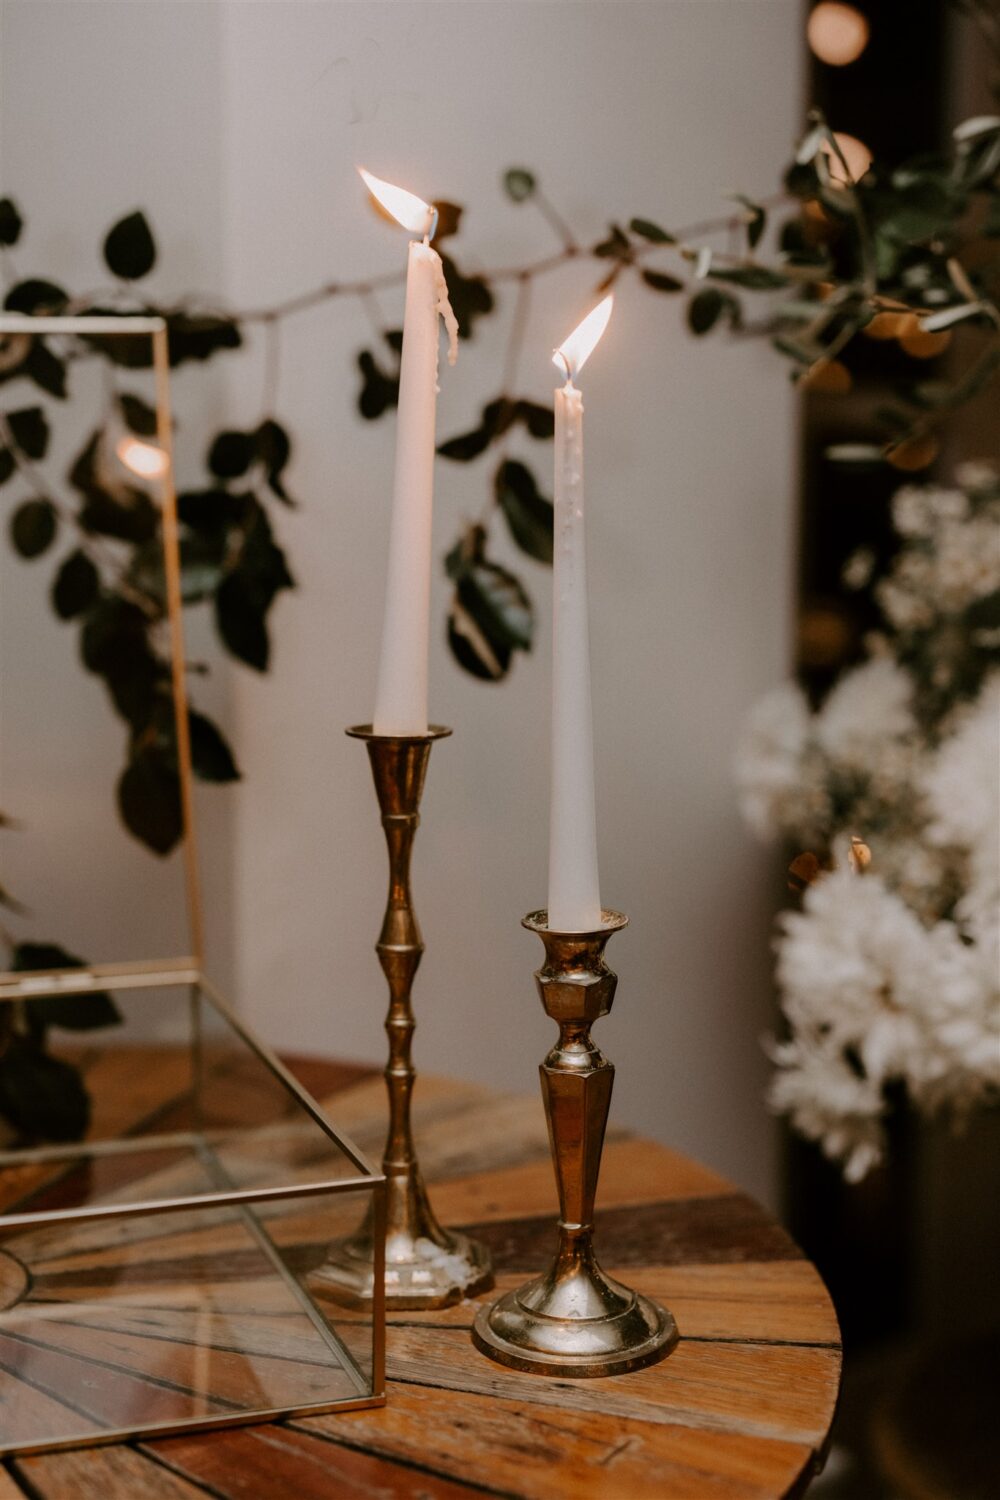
573, 354
143, 459
406, 208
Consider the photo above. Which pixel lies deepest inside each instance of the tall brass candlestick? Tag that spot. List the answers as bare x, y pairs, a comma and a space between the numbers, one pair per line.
425, 1265
575, 1320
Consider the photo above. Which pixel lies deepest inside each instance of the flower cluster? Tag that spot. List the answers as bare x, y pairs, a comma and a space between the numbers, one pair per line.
891, 977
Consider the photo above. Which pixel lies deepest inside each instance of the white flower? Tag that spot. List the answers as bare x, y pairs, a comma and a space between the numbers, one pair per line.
873, 996
867, 707
977, 474
769, 757
962, 788
911, 514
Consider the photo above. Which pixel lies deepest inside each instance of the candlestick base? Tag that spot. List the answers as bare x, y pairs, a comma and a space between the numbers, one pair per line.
425, 1265
435, 1268
575, 1321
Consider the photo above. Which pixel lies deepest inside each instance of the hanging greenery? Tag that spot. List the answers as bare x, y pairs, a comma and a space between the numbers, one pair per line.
907, 254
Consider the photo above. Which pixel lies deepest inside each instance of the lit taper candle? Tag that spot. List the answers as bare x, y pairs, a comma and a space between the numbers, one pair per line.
401, 692
574, 889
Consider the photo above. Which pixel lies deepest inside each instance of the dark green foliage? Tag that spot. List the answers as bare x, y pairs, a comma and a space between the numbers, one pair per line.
76, 586
29, 430
140, 417
379, 390
35, 296
652, 232
33, 527
129, 249
528, 514
519, 184
149, 800
491, 615
11, 222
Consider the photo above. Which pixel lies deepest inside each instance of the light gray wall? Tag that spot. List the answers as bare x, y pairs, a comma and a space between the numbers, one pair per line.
621, 108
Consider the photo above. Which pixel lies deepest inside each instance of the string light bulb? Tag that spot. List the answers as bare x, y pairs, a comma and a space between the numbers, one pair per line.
837, 33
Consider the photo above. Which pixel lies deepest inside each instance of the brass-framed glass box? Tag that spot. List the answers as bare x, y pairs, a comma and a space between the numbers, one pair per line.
155, 1276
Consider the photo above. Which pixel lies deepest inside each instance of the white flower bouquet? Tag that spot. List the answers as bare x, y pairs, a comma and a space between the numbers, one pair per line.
889, 974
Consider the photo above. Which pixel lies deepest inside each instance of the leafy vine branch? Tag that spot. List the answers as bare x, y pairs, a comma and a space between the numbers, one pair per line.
862, 281
902, 257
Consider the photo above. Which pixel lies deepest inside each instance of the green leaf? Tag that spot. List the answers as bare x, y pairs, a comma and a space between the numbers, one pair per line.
43, 1097
76, 586
485, 659
140, 417
30, 430
11, 222
519, 184
528, 514
231, 454
497, 602
241, 622
45, 369
197, 336
149, 801
7, 465
661, 282
753, 278
617, 246
274, 449
81, 1012
652, 232
705, 309
35, 296
129, 249
33, 527
755, 220
540, 421
379, 391
470, 296
211, 757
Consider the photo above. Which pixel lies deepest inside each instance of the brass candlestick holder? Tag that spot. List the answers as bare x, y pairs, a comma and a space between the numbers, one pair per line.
575, 1320
425, 1265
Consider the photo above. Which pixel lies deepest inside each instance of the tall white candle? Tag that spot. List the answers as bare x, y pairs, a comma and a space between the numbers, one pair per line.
401, 691
574, 890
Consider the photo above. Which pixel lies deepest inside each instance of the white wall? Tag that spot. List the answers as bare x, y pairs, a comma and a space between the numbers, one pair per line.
621, 108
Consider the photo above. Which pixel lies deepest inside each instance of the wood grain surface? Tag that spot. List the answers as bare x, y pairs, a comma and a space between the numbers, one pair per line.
740, 1411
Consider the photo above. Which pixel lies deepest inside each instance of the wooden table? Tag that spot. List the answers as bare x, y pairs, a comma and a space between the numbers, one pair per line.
739, 1411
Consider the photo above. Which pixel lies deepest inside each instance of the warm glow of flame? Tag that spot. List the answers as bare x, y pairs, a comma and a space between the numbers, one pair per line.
143, 459
406, 208
855, 153
573, 354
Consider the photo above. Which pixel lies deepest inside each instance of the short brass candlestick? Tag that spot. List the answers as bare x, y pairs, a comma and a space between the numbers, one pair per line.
425, 1265
575, 1320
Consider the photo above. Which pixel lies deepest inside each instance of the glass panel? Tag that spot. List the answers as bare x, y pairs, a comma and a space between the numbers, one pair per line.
171, 1318
196, 1111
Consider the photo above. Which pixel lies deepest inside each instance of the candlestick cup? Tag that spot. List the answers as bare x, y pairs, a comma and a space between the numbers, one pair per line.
575, 1320
425, 1265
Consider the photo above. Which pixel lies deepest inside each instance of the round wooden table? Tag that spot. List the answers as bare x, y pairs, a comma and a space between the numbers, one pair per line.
741, 1409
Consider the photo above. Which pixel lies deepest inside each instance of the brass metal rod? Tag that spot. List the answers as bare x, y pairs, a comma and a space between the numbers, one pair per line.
178, 665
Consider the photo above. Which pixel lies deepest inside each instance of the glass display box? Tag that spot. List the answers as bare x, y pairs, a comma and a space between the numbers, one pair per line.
155, 1277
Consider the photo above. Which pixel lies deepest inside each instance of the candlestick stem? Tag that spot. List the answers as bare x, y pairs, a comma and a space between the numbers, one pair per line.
425, 1265
575, 1320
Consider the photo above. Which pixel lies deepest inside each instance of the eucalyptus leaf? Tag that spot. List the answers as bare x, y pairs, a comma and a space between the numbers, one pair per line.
528, 514
29, 429
129, 249
11, 222
652, 232
76, 586
33, 527
519, 184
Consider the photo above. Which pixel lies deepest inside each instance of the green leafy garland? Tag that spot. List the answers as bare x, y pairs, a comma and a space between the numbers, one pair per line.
901, 254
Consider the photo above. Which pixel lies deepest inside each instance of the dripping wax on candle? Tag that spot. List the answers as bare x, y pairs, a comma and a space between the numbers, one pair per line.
401, 691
